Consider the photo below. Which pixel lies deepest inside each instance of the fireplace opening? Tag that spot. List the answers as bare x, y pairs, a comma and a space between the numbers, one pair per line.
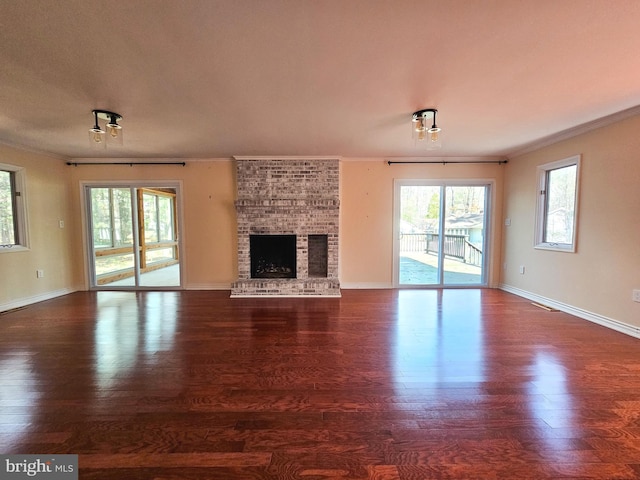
273, 256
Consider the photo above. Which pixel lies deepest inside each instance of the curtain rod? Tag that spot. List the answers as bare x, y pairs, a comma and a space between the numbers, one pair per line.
75, 164
444, 162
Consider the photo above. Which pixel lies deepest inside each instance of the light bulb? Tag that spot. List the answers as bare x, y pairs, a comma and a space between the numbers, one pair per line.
97, 138
97, 135
113, 130
434, 138
419, 128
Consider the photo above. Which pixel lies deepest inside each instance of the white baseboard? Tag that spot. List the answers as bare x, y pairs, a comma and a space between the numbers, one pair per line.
208, 286
387, 286
41, 297
575, 311
365, 286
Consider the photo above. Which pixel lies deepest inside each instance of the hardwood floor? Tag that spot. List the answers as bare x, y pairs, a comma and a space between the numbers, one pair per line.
386, 384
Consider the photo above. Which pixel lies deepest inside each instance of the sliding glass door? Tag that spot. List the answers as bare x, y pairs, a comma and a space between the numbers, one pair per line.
132, 235
440, 233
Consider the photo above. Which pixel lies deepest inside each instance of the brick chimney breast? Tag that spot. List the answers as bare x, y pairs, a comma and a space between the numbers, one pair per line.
289, 196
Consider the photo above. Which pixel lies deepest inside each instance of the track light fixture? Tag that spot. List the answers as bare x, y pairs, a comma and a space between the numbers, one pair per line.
111, 133
422, 132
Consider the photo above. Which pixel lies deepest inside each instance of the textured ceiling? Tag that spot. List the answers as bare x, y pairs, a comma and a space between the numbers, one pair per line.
211, 78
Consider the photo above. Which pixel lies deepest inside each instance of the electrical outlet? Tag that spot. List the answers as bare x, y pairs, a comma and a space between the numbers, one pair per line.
636, 296
39, 273
522, 269
61, 223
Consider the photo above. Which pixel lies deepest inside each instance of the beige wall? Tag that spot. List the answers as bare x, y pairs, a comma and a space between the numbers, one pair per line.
366, 215
600, 276
208, 193
52, 249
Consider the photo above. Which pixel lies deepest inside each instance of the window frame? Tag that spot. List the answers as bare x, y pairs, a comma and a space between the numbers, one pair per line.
542, 205
19, 195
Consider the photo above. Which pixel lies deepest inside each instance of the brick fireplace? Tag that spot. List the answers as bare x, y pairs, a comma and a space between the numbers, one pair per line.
288, 224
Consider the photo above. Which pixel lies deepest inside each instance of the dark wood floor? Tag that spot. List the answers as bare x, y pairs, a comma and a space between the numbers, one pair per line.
413, 384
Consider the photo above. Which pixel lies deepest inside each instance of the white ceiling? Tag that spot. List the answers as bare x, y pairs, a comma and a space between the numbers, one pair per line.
216, 78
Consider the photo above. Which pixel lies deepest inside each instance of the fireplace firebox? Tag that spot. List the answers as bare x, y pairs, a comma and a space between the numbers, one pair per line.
273, 256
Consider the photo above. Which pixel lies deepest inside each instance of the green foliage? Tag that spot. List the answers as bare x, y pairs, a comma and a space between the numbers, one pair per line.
7, 217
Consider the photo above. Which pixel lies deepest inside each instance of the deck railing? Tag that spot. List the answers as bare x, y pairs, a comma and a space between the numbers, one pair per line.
455, 246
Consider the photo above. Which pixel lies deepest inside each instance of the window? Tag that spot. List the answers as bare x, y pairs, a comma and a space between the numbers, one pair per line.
158, 226
556, 220
111, 217
13, 218
158, 216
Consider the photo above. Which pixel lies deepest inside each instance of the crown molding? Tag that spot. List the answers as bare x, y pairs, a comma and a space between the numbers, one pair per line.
287, 157
575, 131
25, 148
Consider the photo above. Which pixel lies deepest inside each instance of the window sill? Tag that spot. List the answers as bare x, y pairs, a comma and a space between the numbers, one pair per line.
556, 247
13, 248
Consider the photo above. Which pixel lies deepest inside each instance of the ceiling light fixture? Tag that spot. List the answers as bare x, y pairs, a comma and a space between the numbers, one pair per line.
112, 132
421, 131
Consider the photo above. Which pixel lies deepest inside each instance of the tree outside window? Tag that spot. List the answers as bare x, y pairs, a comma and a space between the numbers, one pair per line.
13, 220
7, 216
